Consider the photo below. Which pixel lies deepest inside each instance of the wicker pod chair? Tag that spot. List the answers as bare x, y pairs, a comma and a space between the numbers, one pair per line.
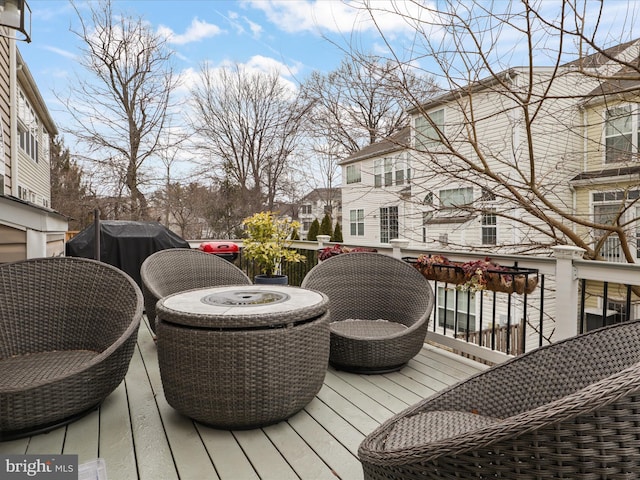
567, 410
68, 327
178, 269
380, 308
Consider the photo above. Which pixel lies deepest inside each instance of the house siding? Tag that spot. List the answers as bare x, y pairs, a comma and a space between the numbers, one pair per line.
5, 147
28, 226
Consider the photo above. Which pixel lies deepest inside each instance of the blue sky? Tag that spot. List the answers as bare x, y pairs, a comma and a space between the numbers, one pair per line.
288, 35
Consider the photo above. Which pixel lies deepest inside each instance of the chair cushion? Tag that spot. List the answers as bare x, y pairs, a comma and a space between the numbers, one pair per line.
22, 371
367, 329
427, 427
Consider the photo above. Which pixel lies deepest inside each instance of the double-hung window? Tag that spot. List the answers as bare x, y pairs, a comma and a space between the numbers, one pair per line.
402, 171
456, 310
489, 227
621, 133
387, 171
383, 172
353, 173
356, 222
611, 208
428, 129
28, 129
388, 223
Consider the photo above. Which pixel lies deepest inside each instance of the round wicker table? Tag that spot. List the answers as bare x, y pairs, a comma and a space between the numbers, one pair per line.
242, 356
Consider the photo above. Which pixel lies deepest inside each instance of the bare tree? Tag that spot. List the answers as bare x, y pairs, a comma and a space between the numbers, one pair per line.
69, 193
121, 107
360, 102
249, 123
187, 209
525, 82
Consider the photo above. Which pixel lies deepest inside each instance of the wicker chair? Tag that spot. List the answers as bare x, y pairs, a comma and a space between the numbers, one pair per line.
567, 410
178, 269
68, 327
380, 308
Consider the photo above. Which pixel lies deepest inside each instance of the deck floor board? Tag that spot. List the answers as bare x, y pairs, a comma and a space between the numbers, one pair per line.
141, 437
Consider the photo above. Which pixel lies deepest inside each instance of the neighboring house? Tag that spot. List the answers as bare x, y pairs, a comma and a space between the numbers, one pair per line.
389, 190
28, 226
316, 204
607, 191
437, 202
376, 192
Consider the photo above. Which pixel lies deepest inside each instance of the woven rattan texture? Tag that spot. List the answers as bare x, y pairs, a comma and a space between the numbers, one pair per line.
245, 378
372, 286
178, 269
68, 328
567, 410
247, 320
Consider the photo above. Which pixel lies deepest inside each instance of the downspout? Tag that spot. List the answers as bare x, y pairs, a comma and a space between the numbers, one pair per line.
13, 116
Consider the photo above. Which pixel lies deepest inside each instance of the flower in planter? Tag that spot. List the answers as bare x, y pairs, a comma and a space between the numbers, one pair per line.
477, 275
269, 240
334, 250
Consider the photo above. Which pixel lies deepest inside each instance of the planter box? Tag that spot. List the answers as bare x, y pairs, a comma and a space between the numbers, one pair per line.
498, 279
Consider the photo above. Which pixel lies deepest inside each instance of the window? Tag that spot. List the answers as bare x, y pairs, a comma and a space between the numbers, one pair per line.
306, 225
427, 135
356, 222
400, 171
459, 308
353, 173
45, 145
28, 128
487, 195
388, 172
607, 214
489, 229
621, 134
609, 206
305, 209
428, 199
384, 171
377, 173
388, 224
456, 197
426, 217
637, 232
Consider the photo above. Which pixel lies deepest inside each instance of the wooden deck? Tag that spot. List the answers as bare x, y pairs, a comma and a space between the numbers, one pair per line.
141, 437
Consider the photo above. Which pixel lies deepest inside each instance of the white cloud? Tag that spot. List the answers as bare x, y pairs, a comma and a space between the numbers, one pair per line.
338, 16
61, 52
190, 77
197, 31
254, 27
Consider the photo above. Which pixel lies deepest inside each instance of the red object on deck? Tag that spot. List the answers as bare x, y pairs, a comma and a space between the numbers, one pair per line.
227, 250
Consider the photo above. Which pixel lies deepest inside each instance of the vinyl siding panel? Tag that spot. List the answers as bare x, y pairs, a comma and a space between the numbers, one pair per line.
13, 244
499, 130
5, 148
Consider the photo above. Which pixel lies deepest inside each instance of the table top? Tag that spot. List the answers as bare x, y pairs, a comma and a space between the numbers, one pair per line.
243, 300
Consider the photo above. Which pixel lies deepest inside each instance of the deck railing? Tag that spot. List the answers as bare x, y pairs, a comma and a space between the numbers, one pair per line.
572, 296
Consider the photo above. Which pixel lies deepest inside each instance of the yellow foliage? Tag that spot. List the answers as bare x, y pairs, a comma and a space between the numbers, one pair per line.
268, 241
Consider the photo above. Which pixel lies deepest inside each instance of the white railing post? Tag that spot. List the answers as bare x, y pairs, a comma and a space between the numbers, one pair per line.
566, 291
322, 239
398, 244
